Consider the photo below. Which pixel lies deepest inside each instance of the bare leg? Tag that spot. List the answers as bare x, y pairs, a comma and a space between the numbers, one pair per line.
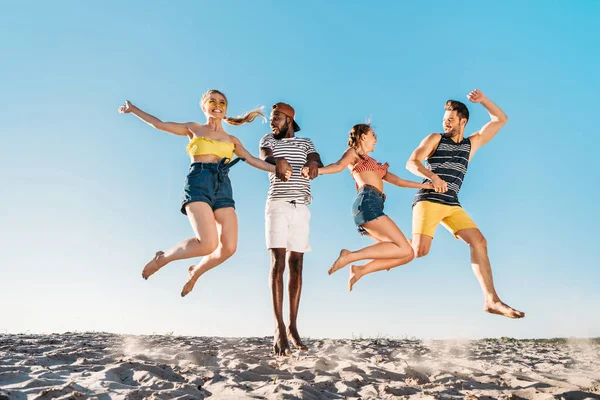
202, 220
295, 262
227, 228
280, 343
483, 271
358, 271
375, 251
421, 244
385, 231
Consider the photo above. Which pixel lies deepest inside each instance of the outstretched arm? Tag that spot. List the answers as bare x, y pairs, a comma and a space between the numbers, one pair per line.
338, 166
421, 153
396, 180
171, 127
241, 152
497, 120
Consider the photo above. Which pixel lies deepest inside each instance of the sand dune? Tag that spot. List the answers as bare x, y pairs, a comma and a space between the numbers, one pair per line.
108, 366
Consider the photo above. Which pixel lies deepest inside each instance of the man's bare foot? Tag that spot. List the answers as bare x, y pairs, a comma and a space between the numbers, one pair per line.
354, 276
281, 346
154, 265
500, 308
294, 336
340, 262
189, 285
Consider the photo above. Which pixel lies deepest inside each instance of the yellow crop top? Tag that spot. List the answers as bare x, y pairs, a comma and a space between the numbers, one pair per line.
200, 146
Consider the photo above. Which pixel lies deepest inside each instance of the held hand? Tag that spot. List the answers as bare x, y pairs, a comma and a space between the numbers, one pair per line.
283, 170
126, 108
313, 169
439, 185
304, 172
476, 96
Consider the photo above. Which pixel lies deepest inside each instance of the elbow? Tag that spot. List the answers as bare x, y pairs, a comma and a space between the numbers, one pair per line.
503, 118
409, 165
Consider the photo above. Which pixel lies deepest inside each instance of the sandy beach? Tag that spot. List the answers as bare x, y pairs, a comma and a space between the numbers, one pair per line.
110, 366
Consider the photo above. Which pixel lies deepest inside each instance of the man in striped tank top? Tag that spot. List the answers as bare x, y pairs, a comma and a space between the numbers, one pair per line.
448, 157
287, 216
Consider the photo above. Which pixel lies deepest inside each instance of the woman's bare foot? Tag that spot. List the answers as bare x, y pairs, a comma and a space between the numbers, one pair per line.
154, 265
189, 285
341, 262
498, 307
294, 336
354, 276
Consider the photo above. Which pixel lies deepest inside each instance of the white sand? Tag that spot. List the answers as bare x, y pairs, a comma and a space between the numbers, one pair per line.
108, 366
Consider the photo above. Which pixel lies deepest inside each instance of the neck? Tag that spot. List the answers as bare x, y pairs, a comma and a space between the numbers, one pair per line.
287, 135
216, 124
457, 138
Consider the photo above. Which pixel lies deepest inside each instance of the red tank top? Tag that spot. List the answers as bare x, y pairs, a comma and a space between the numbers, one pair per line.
367, 163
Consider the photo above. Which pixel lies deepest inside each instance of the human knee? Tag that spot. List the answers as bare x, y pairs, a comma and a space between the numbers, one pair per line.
295, 261
228, 249
478, 242
277, 261
408, 253
209, 244
421, 250
295, 266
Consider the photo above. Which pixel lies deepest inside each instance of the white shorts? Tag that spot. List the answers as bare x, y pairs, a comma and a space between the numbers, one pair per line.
287, 226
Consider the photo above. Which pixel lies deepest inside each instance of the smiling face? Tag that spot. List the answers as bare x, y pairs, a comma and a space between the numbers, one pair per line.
280, 124
452, 123
455, 118
368, 141
214, 105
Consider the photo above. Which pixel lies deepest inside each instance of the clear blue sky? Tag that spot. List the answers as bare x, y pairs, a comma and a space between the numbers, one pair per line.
89, 195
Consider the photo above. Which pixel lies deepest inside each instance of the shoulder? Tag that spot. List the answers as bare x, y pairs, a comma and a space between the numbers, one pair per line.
351, 155
234, 139
268, 139
304, 139
194, 129
433, 138
431, 141
195, 126
306, 142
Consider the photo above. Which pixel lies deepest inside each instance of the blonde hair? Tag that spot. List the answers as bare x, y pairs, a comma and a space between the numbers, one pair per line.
239, 120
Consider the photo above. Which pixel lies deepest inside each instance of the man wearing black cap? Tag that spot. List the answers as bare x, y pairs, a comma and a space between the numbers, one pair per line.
287, 216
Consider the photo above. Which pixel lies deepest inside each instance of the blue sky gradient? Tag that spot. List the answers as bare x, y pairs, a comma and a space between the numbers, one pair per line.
89, 195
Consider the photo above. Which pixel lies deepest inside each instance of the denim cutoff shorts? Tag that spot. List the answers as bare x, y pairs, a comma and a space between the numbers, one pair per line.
367, 206
209, 183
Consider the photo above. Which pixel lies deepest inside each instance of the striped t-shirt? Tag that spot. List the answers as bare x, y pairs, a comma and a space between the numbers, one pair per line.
294, 150
449, 161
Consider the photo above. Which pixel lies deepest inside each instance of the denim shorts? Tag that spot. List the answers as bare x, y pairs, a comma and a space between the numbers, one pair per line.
209, 183
367, 206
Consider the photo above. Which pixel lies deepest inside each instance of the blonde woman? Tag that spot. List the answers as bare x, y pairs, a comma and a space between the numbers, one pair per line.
392, 249
208, 196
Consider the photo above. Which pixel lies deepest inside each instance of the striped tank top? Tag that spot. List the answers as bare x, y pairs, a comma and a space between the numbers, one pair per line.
449, 161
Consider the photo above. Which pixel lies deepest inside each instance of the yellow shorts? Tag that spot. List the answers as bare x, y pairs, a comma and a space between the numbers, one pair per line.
427, 215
